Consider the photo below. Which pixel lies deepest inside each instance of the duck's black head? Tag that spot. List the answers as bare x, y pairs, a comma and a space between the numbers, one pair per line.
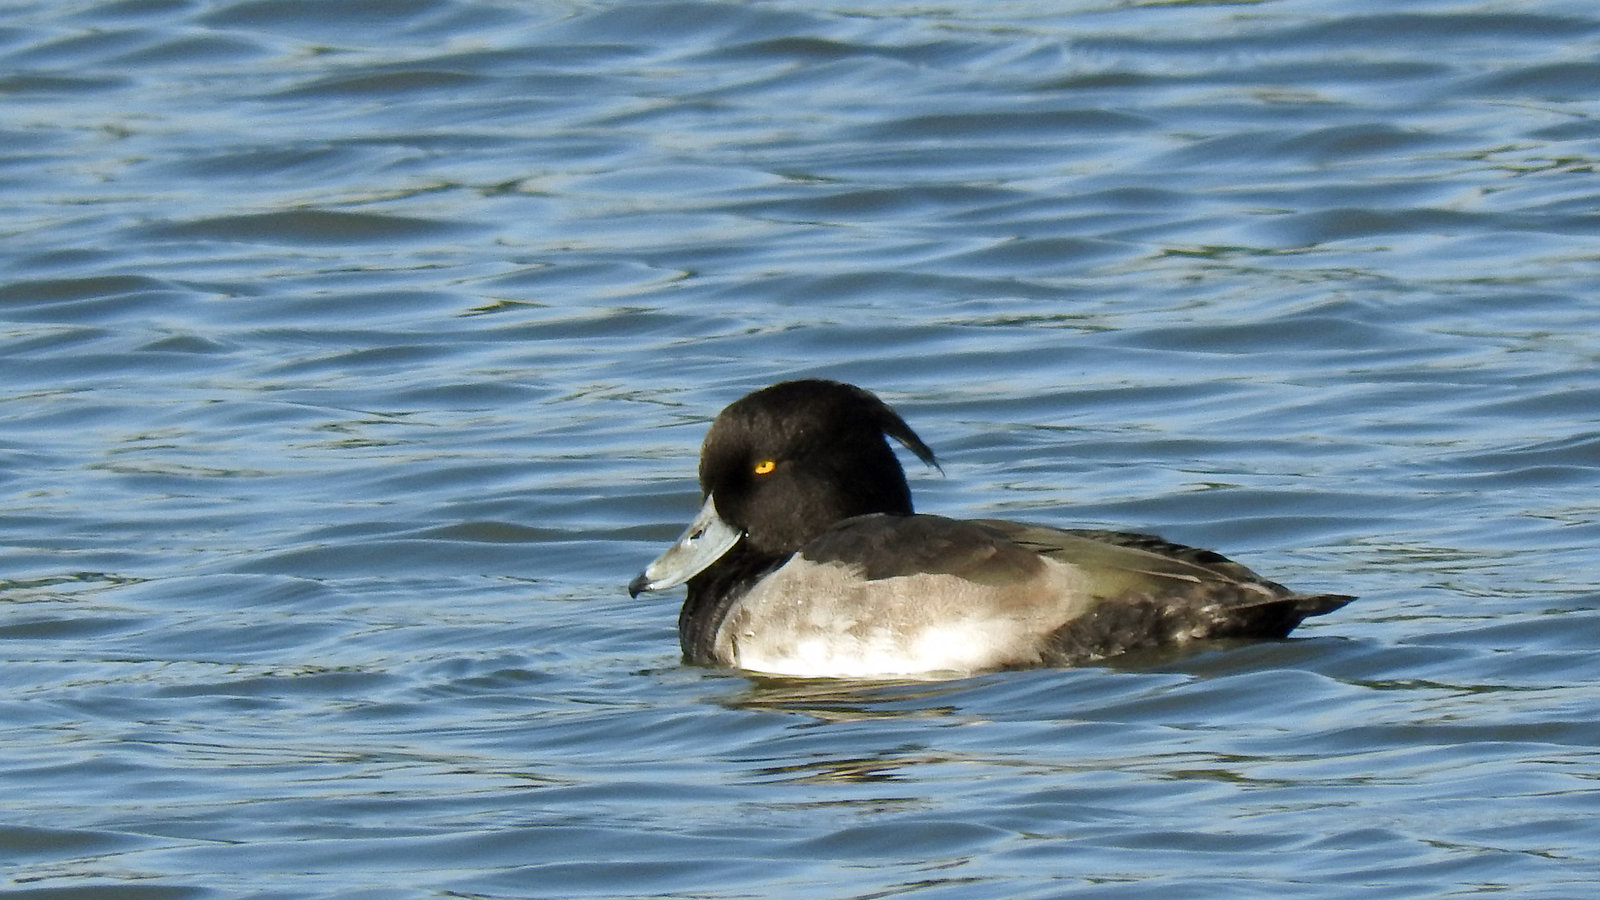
782, 465
788, 461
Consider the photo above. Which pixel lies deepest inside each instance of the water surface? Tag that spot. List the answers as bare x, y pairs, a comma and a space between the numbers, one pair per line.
353, 356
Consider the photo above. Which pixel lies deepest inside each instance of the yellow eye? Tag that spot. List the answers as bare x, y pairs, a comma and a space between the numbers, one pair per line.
765, 466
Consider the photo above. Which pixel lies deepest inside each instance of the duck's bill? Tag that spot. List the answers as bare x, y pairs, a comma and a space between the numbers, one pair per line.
702, 543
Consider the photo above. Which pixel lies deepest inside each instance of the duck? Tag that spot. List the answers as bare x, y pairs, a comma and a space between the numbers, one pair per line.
807, 560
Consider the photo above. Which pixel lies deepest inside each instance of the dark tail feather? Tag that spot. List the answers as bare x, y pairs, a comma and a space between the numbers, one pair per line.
1276, 618
1320, 604
1144, 622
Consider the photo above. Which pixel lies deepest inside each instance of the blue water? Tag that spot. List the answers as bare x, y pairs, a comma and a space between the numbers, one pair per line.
353, 356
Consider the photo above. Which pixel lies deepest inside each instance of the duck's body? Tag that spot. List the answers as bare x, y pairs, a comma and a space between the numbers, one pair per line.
806, 560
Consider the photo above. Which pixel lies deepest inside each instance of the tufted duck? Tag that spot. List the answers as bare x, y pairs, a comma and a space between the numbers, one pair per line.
806, 560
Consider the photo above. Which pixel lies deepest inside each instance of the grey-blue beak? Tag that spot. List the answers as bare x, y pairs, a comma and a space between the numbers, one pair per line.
704, 542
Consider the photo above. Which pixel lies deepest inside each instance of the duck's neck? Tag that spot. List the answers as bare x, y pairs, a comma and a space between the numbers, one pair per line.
712, 593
